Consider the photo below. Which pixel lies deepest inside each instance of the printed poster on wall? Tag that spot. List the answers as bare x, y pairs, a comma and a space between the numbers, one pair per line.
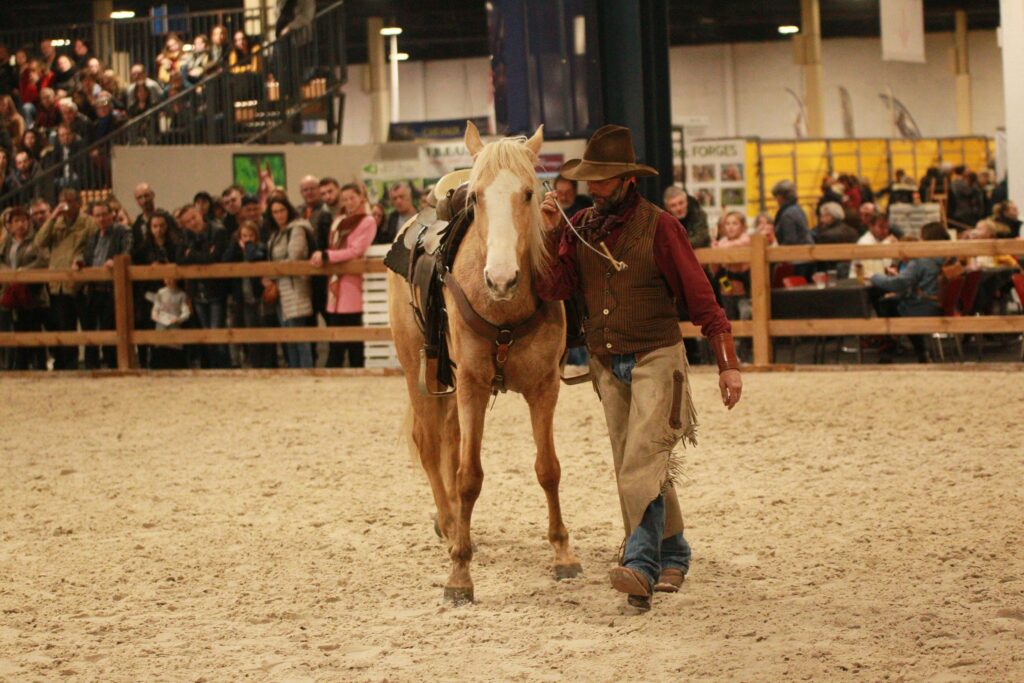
716, 174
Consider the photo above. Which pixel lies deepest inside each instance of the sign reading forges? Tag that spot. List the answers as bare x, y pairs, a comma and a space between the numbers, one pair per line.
716, 174
902, 31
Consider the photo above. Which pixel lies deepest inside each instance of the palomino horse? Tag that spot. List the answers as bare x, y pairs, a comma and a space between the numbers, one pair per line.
501, 256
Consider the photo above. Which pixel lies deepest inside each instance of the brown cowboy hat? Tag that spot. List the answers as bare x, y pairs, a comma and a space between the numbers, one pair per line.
609, 154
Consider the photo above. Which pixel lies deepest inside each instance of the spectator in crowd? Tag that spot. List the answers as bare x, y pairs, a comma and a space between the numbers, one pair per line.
218, 47
65, 75
231, 200
244, 54
966, 200
831, 191
6, 181
75, 120
157, 243
204, 244
81, 53
26, 170
205, 203
765, 225
312, 205
252, 210
986, 229
1007, 219
833, 229
63, 238
67, 147
33, 144
567, 194
31, 80
137, 76
866, 215
877, 233
38, 211
851, 192
198, 62
867, 193
10, 118
380, 215
145, 197
734, 278
24, 304
247, 293
48, 54
170, 59
791, 226
8, 73
902, 189
330, 194
916, 291
289, 241
401, 197
47, 113
169, 312
313, 210
107, 119
690, 213
349, 239
97, 302
139, 100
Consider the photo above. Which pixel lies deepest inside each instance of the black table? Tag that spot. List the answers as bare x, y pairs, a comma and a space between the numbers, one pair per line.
845, 299
995, 284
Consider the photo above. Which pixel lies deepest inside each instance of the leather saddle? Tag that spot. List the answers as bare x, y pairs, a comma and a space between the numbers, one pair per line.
422, 255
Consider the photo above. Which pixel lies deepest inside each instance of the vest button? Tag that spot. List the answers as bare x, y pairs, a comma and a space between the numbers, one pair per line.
608, 345
608, 274
606, 311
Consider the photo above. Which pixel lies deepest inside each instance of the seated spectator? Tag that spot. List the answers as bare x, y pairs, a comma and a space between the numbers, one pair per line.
33, 79
48, 54
65, 75
567, 193
47, 113
137, 75
289, 240
139, 100
1007, 219
107, 119
987, 229
112, 85
26, 170
10, 118
878, 233
97, 312
244, 54
80, 125
25, 304
831, 191
170, 311
8, 73
170, 59
689, 213
832, 229
403, 208
915, 291
349, 239
34, 144
67, 147
866, 215
198, 62
38, 211
6, 183
81, 53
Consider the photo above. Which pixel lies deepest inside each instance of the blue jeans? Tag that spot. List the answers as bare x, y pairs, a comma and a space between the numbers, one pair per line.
300, 354
646, 549
647, 552
211, 316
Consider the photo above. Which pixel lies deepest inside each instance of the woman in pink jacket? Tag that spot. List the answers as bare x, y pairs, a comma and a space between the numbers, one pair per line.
350, 236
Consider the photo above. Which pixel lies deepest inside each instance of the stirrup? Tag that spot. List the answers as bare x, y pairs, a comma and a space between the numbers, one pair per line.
575, 379
423, 378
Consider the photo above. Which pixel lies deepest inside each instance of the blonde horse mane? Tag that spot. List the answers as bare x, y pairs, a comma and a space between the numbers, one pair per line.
512, 154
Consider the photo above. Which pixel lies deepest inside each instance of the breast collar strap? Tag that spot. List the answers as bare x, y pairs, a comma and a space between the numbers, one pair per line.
502, 335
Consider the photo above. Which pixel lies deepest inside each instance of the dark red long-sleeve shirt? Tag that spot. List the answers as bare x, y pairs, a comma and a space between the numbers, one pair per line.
676, 261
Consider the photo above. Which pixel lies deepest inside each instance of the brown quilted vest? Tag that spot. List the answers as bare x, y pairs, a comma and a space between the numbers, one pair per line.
633, 310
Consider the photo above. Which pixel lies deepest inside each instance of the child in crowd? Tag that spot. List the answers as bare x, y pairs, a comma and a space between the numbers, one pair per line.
170, 310
247, 293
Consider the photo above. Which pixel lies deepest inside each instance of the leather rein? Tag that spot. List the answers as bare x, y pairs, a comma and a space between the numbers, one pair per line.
504, 336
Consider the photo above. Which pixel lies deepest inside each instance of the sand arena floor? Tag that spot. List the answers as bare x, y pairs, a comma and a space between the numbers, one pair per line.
846, 526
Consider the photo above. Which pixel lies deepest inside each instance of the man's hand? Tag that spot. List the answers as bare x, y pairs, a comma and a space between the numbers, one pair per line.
317, 259
549, 212
731, 384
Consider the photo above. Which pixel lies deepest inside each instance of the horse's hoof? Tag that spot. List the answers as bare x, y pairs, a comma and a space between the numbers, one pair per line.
456, 596
567, 571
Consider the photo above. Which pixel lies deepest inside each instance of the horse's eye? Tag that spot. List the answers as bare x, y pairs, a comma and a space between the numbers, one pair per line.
529, 196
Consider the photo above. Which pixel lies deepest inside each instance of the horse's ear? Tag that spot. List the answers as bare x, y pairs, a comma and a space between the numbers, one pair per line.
536, 141
473, 142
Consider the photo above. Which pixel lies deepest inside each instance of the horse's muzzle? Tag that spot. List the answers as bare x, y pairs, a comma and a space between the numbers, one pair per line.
501, 290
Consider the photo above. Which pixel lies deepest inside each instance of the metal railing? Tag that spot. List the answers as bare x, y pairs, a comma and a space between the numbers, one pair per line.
296, 75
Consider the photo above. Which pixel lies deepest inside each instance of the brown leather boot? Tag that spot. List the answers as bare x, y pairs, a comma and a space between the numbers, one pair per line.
635, 585
670, 580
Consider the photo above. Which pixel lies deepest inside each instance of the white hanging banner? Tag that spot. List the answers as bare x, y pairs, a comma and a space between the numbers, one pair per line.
902, 31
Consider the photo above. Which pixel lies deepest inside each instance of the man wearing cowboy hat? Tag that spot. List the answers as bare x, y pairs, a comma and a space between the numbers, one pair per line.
638, 364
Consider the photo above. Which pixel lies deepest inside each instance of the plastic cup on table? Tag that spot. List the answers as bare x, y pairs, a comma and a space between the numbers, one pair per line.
820, 280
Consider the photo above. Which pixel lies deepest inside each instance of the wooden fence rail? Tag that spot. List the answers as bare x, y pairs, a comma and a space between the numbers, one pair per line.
761, 328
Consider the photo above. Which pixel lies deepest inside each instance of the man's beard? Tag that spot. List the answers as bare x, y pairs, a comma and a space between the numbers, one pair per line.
614, 202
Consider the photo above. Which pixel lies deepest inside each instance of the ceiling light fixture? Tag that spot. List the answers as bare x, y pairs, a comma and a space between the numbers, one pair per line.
789, 30
391, 31
122, 14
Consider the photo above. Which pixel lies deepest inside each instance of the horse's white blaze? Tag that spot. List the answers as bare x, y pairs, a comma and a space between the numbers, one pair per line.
502, 264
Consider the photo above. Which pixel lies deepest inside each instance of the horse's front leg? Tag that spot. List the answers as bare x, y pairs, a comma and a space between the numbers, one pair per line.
541, 399
469, 478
